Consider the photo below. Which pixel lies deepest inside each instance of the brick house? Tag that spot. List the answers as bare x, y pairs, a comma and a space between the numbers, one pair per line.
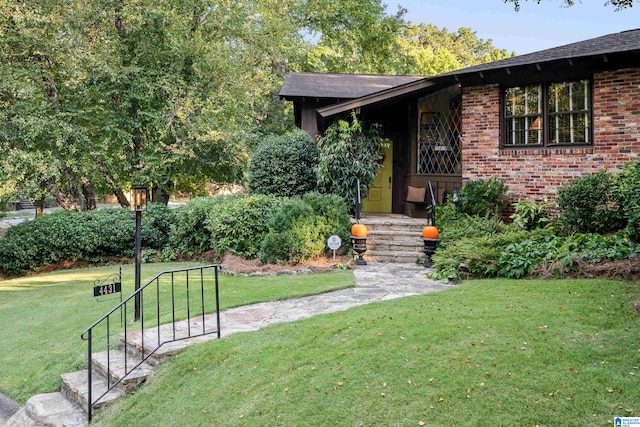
534, 121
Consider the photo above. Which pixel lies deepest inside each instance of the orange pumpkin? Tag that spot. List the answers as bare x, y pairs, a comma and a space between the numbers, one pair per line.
359, 230
430, 232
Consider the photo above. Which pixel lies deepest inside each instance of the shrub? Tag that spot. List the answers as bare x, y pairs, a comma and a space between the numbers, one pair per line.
189, 233
284, 165
562, 253
239, 223
530, 215
483, 197
92, 236
474, 256
627, 194
586, 204
348, 151
299, 229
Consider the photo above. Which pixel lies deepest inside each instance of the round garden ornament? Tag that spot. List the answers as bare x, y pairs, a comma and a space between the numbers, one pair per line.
359, 230
430, 232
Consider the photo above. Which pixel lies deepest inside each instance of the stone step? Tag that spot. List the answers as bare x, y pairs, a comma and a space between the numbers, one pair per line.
75, 388
394, 226
160, 343
116, 364
21, 419
399, 246
408, 257
53, 409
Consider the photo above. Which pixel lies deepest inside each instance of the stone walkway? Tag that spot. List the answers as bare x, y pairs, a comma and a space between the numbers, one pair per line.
374, 282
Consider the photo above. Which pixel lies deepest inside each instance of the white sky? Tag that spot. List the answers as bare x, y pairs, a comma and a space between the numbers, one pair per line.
535, 27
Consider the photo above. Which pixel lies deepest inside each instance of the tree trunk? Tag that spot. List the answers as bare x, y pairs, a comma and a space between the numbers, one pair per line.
60, 197
89, 197
122, 198
39, 207
159, 195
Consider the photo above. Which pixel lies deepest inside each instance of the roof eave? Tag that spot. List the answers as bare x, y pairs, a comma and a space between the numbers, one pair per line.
375, 98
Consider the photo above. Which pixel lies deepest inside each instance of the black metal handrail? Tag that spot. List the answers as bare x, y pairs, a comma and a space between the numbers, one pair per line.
176, 313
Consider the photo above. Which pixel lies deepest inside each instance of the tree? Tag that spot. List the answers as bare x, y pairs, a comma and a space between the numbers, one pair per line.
618, 4
425, 49
348, 152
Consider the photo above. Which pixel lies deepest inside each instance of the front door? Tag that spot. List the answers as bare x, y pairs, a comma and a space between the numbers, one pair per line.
379, 197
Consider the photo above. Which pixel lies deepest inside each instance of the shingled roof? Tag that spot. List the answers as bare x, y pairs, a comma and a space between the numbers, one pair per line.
624, 44
339, 86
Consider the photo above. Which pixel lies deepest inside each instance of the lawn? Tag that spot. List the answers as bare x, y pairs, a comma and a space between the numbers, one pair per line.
490, 352
43, 315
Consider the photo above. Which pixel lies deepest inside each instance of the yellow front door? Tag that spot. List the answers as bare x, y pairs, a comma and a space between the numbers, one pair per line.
379, 197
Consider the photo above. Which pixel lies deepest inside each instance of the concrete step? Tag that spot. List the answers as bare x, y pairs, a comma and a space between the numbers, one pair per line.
116, 364
75, 388
53, 409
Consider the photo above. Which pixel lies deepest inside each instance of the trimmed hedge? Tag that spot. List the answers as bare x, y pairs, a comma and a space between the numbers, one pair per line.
92, 236
284, 165
238, 224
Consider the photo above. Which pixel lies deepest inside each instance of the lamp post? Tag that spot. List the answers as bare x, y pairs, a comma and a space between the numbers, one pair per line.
138, 203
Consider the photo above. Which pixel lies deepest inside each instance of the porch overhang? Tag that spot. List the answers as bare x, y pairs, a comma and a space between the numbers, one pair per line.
392, 94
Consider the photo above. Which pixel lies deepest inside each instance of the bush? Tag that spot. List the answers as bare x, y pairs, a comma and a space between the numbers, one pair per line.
627, 195
92, 236
530, 215
474, 256
299, 229
483, 197
189, 233
284, 165
586, 204
239, 223
349, 151
562, 253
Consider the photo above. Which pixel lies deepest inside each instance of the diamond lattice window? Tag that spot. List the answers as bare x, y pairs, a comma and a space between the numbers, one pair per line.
439, 133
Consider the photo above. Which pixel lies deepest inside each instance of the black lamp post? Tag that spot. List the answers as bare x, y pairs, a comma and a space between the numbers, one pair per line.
138, 204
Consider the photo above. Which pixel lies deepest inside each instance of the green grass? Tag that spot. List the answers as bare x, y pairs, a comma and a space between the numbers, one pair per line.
487, 353
42, 316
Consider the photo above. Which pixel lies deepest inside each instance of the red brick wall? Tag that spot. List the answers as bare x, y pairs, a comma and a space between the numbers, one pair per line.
536, 173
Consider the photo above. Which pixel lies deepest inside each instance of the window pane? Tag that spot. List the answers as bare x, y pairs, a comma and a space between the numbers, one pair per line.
520, 101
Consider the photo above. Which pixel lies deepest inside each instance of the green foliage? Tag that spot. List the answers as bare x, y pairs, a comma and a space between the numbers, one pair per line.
483, 197
530, 214
427, 50
586, 204
348, 151
92, 236
476, 256
189, 233
239, 223
299, 229
284, 165
562, 253
627, 194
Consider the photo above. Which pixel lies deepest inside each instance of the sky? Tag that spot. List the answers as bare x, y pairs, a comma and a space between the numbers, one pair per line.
535, 27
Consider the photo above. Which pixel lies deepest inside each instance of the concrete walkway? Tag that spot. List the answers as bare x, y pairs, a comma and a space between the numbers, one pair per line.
374, 282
